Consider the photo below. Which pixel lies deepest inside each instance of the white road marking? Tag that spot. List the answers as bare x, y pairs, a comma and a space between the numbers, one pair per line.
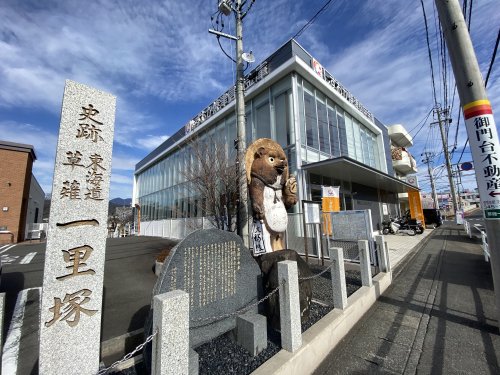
4, 246
13, 340
7, 258
4, 249
28, 258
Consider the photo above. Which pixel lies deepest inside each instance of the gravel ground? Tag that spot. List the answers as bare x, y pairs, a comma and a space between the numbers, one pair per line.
224, 356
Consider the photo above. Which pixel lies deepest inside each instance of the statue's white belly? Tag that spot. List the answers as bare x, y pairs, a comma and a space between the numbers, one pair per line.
275, 212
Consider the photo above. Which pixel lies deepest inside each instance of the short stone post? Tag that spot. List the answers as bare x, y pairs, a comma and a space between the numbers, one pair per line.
170, 353
389, 267
291, 335
364, 263
251, 332
381, 251
338, 278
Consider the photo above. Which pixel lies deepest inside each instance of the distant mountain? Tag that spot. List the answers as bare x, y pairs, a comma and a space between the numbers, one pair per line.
113, 203
118, 202
121, 201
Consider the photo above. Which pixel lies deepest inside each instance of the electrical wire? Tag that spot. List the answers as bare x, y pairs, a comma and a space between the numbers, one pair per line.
429, 53
313, 18
492, 59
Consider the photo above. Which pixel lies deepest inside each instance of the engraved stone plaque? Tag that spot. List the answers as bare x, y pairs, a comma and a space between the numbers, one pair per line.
219, 274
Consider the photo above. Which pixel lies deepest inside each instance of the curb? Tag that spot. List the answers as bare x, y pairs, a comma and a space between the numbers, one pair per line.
319, 340
398, 269
115, 348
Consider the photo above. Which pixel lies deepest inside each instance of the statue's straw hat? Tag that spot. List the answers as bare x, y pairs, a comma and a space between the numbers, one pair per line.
252, 149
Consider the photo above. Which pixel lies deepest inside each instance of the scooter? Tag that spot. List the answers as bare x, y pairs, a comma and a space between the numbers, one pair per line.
399, 225
390, 226
414, 223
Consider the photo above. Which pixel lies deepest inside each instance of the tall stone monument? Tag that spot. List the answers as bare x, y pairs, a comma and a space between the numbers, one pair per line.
76, 241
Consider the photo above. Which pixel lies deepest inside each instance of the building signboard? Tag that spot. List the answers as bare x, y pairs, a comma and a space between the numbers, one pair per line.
330, 199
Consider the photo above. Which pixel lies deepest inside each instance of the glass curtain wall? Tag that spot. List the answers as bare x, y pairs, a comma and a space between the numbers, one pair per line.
163, 189
328, 131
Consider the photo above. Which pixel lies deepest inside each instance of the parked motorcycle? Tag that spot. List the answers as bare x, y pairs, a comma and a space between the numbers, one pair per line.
399, 225
414, 223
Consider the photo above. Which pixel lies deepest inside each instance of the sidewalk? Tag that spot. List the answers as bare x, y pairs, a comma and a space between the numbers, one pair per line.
400, 245
437, 317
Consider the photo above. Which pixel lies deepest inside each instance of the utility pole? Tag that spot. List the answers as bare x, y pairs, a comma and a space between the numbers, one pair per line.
241, 131
428, 160
447, 160
480, 124
226, 7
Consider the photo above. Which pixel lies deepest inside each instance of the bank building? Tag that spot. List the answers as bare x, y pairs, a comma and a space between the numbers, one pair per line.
330, 138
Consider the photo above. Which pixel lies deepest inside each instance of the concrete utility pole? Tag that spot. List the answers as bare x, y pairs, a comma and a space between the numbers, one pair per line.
226, 7
240, 120
447, 159
427, 160
480, 124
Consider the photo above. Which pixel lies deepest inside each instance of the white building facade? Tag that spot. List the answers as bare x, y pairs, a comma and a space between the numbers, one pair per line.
330, 139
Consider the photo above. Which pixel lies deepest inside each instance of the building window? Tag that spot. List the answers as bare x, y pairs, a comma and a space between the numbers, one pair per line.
342, 132
310, 120
334, 132
324, 141
263, 121
282, 119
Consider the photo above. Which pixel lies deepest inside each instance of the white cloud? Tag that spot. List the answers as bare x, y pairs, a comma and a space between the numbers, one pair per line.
150, 142
157, 55
124, 163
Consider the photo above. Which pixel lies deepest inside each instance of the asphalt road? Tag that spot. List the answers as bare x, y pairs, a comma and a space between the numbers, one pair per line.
128, 279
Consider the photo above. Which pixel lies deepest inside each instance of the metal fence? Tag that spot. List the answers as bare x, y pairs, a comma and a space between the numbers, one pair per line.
484, 237
299, 236
174, 228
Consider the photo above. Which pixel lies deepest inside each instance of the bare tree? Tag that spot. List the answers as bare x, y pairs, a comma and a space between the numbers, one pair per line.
212, 177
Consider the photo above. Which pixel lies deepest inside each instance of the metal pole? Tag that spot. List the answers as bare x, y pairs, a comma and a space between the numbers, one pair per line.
480, 124
240, 120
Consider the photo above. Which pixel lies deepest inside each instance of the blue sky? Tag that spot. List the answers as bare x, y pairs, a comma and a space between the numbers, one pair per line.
159, 60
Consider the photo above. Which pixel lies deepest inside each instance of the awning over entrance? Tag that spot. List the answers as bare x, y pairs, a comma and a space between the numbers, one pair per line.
347, 169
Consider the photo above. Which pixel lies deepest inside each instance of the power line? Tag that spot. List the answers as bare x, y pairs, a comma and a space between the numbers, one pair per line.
311, 21
429, 52
492, 59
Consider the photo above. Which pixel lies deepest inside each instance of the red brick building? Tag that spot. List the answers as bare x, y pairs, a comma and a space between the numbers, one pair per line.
15, 179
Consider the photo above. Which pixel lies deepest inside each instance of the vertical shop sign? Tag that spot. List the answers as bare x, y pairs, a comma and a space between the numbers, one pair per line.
485, 148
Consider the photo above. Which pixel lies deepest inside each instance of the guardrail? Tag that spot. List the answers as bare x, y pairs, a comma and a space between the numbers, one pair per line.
484, 237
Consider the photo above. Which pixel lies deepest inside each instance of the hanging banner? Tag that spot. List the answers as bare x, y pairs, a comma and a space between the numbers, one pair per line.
330, 198
330, 203
484, 145
416, 211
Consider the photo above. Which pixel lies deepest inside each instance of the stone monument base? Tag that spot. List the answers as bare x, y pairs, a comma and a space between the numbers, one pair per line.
269, 266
